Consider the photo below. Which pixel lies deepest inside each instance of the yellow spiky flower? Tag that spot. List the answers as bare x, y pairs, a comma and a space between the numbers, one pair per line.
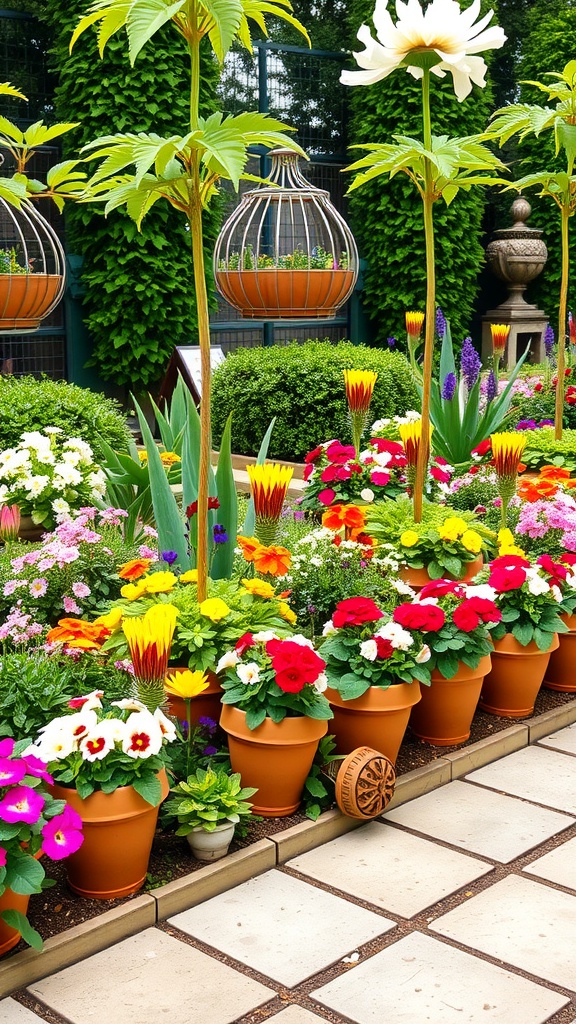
186, 684
499, 334
414, 322
359, 388
268, 487
149, 639
507, 451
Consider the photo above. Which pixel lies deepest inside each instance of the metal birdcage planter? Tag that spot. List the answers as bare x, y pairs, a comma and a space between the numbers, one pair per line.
285, 253
32, 269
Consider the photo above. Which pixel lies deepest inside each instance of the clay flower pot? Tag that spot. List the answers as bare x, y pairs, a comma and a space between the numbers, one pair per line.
377, 719
118, 831
276, 758
25, 299
444, 715
511, 687
418, 578
561, 671
10, 900
28, 530
285, 294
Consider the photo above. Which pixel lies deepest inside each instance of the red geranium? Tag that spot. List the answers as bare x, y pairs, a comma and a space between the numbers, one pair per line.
474, 610
437, 588
314, 454
483, 448
244, 643
557, 573
508, 572
568, 558
354, 611
392, 447
294, 664
440, 475
426, 617
340, 453
384, 647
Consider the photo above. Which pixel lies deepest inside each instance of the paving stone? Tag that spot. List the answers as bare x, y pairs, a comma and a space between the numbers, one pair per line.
12, 1012
296, 1015
353, 863
480, 821
544, 776
282, 927
151, 977
525, 924
565, 739
558, 866
422, 979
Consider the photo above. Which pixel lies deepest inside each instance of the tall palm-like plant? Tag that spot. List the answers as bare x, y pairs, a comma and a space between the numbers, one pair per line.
184, 169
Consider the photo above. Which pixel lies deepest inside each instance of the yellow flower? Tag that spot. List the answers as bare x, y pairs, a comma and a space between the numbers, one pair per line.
259, 587
159, 582
287, 613
512, 549
186, 684
191, 576
132, 591
505, 537
111, 620
359, 387
149, 638
452, 528
214, 608
472, 541
143, 455
409, 538
169, 458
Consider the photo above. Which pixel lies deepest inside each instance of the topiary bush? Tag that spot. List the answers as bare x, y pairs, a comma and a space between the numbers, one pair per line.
31, 404
303, 387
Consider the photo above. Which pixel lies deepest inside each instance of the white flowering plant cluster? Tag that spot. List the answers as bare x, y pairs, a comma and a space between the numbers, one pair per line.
48, 476
99, 746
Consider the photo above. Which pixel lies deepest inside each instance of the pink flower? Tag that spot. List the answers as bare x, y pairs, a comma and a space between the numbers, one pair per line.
6, 747
70, 606
326, 497
21, 804
379, 478
81, 590
62, 835
37, 768
3, 857
38, 587
11, 772
145, 552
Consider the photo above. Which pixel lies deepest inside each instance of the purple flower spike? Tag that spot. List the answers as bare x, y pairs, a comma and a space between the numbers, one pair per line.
549, 340
449, 387
491, 387
441, 324
470, 363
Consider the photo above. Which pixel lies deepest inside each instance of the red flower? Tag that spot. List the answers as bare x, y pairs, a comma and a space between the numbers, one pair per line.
437, 588
568, 558
192, 509
473, 470
483, 448
557, 573
384, 647
244, 643
427, 617
507, 576
326, 497
314, 454
380, 478
308, 470
517, 561
538, 386
294, 664
340, 453
354, 611
473, 611
382, 445
440, 474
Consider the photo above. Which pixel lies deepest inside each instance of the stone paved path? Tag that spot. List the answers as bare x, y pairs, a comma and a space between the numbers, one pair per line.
456, 908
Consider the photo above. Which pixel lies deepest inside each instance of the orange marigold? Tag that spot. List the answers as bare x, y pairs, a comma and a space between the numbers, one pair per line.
344, 517
249, 546
271, 561
84, 636
135, 568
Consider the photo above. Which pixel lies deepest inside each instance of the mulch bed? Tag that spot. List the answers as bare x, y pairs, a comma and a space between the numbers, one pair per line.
58, 909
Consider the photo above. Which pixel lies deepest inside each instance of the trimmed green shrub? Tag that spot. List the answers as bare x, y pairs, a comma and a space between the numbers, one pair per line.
542, 449
30, 404
303, 387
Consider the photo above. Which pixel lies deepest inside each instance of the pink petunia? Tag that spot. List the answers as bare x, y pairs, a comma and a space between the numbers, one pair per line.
3, 857
11, 772
6, 746
37, 768
62, 835
21, 804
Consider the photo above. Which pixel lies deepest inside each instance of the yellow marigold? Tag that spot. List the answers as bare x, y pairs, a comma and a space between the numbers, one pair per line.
472, 541
214, 609
512, 549
452, 528
190, 576
111, 620
159, 582
186, 684
169, 458
143, 455
132, 591
134, 569
505, 537
259, 587
287, 613
409, 538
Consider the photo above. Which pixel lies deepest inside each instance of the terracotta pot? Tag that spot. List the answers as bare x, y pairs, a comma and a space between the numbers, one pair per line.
118, 832
444, 715
511, 687
561, 671
25, 299
377, 719
286, 294
9, 937
418, 578
28, 530
276, 758
206, 705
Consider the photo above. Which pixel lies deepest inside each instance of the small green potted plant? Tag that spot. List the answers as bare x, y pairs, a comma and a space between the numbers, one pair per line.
208, 805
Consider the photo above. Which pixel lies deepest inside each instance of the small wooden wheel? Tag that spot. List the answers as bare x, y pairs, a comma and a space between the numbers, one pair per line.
365, 783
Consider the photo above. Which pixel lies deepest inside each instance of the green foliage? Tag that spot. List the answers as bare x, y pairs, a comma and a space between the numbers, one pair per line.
388, 520
387, 216
30, 404
207, 799
303, 386
318, 792
139, 300
543, 449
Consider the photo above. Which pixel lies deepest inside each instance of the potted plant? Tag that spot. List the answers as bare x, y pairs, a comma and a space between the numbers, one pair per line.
47, 475
207, 806
274, 712
107, 762
460, 645
561, 670
33, 822
524, 638
374, 667
335, 474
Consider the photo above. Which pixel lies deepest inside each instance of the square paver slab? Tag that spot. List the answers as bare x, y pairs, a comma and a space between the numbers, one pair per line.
151, 977
564, 739
296, 1015
355, 863
480, 821
536, 773
521, 922
282, 927
12, 1012
421, 979
558, 866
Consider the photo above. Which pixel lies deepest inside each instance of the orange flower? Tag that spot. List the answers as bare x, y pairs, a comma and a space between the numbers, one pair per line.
271, 561
344, 517
507, 450
84, 636
556, 473
500, 334
534, 490
135, 568
414, 323
249, 546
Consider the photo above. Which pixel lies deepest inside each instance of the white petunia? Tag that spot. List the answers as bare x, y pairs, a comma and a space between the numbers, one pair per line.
483, 590
248, 674
321, 683
329, 628
264, 636
228, 660
367, 494
423, 655
302, 640
143, 736
400, 638
536, 584
369, 649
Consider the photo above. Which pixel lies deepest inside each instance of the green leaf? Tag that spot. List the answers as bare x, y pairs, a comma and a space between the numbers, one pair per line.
145, 18
170, 526
16, 920
223, 560
150, 789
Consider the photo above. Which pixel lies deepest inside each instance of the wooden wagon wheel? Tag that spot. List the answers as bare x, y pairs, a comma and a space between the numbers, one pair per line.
365, 783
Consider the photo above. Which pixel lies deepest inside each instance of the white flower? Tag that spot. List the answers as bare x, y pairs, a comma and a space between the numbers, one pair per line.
46, 457
321, 683
403, 588
427, 600
367, 494
443, 28
129, 704
69, 475
536, 584
369, 649
483, 590
143, 736
570, 580
34, 485
34, 439
53, 430
248, 674
302, 640
264, 636
423, 655
329, 628
379, 425
167, 727
54, 745
556, 592
99, 741
228, 660
60, 507
400, 638
382, 459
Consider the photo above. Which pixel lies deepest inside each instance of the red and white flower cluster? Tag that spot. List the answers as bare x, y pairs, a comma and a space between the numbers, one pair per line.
334, 474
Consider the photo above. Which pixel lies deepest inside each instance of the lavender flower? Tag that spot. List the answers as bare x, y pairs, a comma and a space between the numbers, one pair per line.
219, 534
441, 324
391, 342
470, 363
491, 387
169, 557
548, 340
526, 425
449, 387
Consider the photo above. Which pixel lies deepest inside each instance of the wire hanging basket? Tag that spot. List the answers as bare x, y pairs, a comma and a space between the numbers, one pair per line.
32, 269
285, 253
